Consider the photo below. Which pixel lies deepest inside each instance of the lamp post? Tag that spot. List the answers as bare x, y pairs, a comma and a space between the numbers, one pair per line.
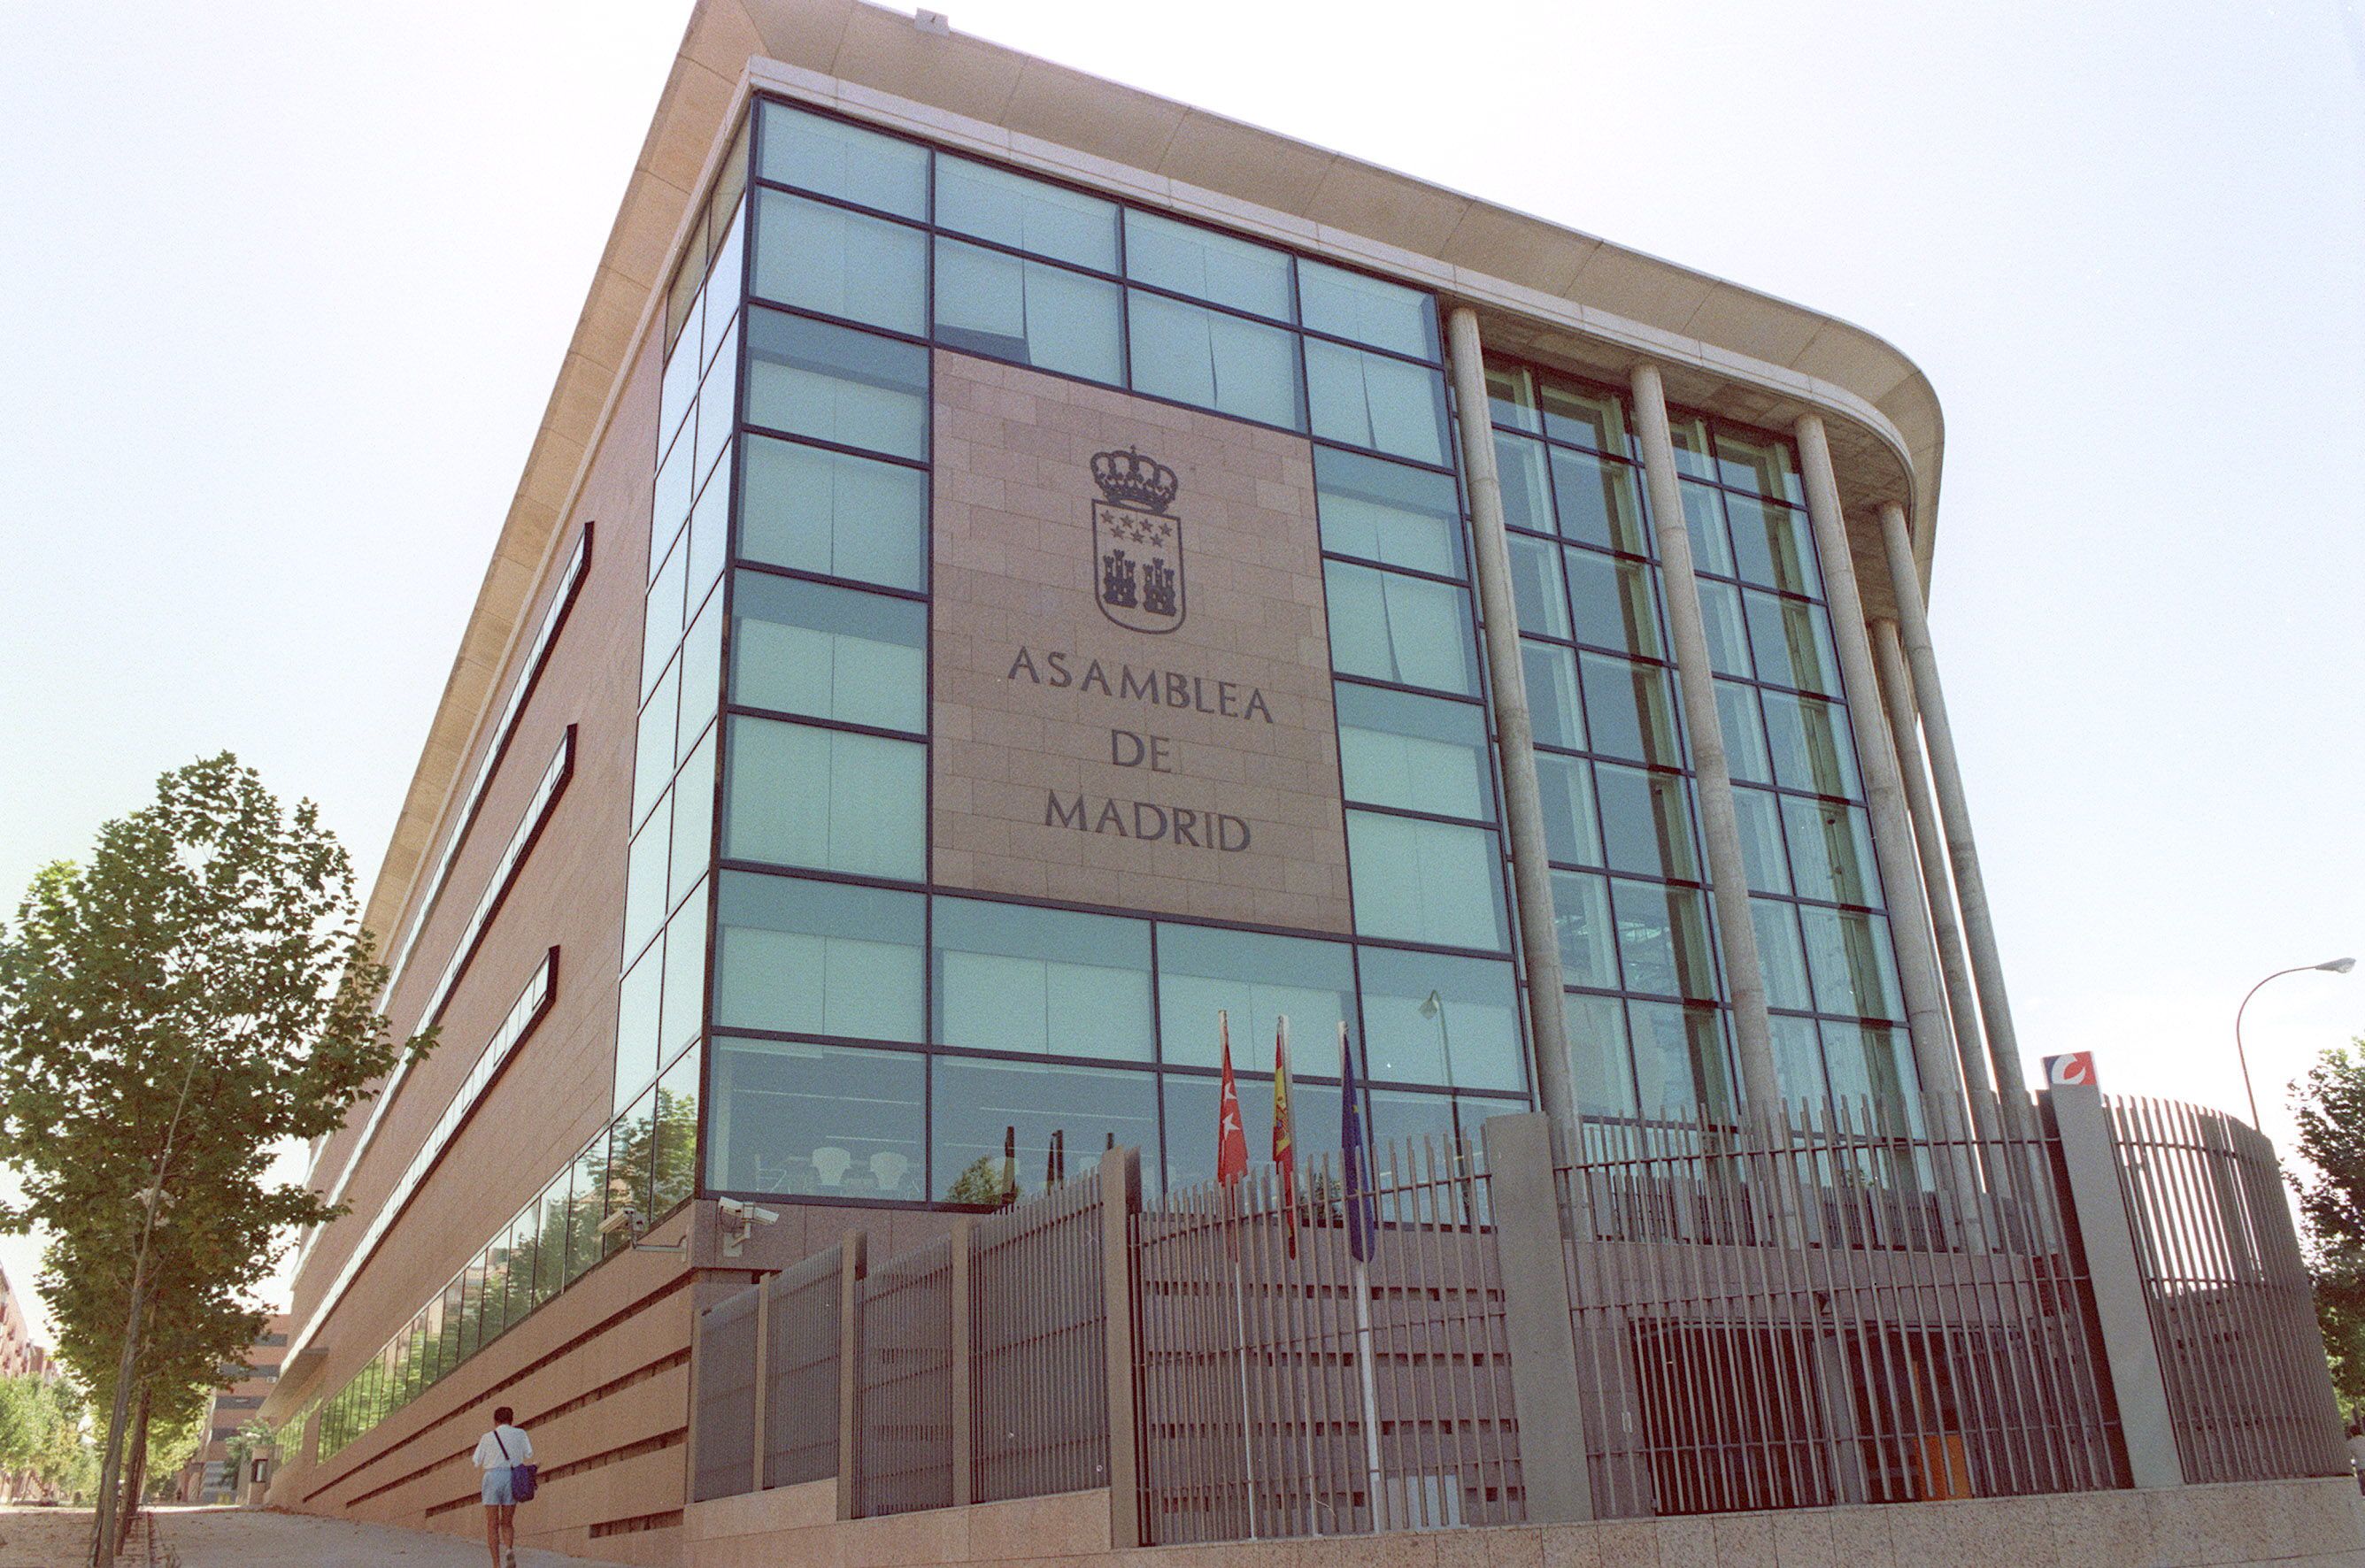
2331, 966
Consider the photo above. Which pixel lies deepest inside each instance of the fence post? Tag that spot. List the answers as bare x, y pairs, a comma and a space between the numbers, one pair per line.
1120, 1199
759, 1425
964, 1390
852, 1260
2089, 1166
1528, 1245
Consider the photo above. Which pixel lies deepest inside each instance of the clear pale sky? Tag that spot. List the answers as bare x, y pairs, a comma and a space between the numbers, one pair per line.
282, 291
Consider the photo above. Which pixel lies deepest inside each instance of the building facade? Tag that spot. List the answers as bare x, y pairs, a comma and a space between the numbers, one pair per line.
1016, 572
211, 1477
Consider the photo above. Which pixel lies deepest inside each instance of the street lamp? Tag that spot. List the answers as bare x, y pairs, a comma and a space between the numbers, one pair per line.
2331, 966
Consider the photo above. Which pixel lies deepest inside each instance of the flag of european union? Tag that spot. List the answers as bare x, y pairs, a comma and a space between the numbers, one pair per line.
1363, 1215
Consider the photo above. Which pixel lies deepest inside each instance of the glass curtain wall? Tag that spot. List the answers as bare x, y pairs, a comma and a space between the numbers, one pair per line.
1648, 1008
876, 1038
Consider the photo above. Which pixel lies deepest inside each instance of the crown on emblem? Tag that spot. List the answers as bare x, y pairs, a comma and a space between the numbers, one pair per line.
1130, 479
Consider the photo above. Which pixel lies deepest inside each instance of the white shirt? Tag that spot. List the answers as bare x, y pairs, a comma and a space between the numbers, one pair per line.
488, 1448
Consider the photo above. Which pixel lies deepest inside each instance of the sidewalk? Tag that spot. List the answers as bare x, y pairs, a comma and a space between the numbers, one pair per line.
236, 1537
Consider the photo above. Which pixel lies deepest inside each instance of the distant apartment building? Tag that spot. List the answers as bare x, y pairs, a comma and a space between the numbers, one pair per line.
211, 1477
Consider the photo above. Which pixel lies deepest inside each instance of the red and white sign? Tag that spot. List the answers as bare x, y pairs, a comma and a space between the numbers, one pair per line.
2076, 1068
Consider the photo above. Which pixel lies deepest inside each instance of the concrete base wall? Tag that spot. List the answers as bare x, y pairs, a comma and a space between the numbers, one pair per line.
2307, 1524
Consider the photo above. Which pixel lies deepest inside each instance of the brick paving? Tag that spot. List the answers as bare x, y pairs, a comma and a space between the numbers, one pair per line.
239, 1537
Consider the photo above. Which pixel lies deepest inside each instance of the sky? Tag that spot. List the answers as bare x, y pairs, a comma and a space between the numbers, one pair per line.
284, 289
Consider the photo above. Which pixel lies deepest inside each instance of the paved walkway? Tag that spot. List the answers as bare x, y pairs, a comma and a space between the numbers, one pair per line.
237, 1538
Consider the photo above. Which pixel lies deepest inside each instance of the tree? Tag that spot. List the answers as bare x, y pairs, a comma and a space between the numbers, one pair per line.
42, 1445
200, 991
2331, 1109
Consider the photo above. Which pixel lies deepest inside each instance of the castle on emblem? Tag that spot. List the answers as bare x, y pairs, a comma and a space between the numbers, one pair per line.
1138, 542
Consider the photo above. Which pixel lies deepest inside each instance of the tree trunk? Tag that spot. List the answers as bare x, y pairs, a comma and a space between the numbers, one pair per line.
135, 1475
109, 1468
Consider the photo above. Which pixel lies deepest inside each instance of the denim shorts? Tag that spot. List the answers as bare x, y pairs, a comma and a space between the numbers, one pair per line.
496, 1487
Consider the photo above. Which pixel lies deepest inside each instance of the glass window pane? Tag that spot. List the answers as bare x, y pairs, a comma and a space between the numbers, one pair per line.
1662, 940
1191, 1112
1589, 942
1553, 706
1388, 513
1693, 459
994, 1124
632, 1142
1600, 1061
1436, 1019
828, 799
1365, 310
844, 161
661, 623
550, 1248
1793, 644
1779, 955
636, 1027
1679, 1064
1025, 215
1728, 632
1848, 958
1704, 521
1599, 503
587, 1205
817, 1120
1422, 882
693, 820
645, 878
1418, 754
674, 1177
685, 984
1761, 465
1570, 832
727, 214
1367, 399
1798, 1057
825, 259
1213, 361
1763, 855
1591, 418
653, 759
684, 364
836, 384
1012, 978
1646, 822
830, 512
1206, 265
701, 675
1831, 851
829, 653
1744, 734
1869, 1061
670, 502
472, 1307
1771, 546
1539, 592
819, 958
1616, 606
1631, 709
1527, 494
717, 410
710, 533
1405, 631
1511, 396
1406, 1126
1810, 746
1257, 980
1029, 312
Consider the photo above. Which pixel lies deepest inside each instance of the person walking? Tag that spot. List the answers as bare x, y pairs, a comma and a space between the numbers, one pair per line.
498, 1453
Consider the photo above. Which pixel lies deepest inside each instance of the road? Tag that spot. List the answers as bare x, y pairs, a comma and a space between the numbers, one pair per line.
235, 1538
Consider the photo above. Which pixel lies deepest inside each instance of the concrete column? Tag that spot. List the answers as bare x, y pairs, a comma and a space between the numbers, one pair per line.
1120, 1178
1929, 845
1536, 1325
1954, 810
2090, 1168
1728, 875
853, 1264
1892, 837
1523, 812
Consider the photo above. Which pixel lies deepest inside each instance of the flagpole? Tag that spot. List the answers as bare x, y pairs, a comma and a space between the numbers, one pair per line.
1285, 1160
1359, 1239
1229, 1178
1371, 1393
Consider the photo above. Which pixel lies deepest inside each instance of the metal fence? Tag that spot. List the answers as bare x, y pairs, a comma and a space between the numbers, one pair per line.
725, 1398
1038, 1348
1295, 1391
801, 1362
1834, 1306
2231, 1309
905, 1411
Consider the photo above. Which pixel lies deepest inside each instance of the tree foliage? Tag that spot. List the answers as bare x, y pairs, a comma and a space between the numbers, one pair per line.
42, 1434
202, 981
2331, 1109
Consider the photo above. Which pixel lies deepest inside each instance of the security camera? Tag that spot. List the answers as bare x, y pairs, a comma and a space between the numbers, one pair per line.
738, 1218
626, 1219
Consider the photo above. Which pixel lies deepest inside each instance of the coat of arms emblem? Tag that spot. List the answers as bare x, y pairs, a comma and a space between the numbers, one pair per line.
1136, 541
